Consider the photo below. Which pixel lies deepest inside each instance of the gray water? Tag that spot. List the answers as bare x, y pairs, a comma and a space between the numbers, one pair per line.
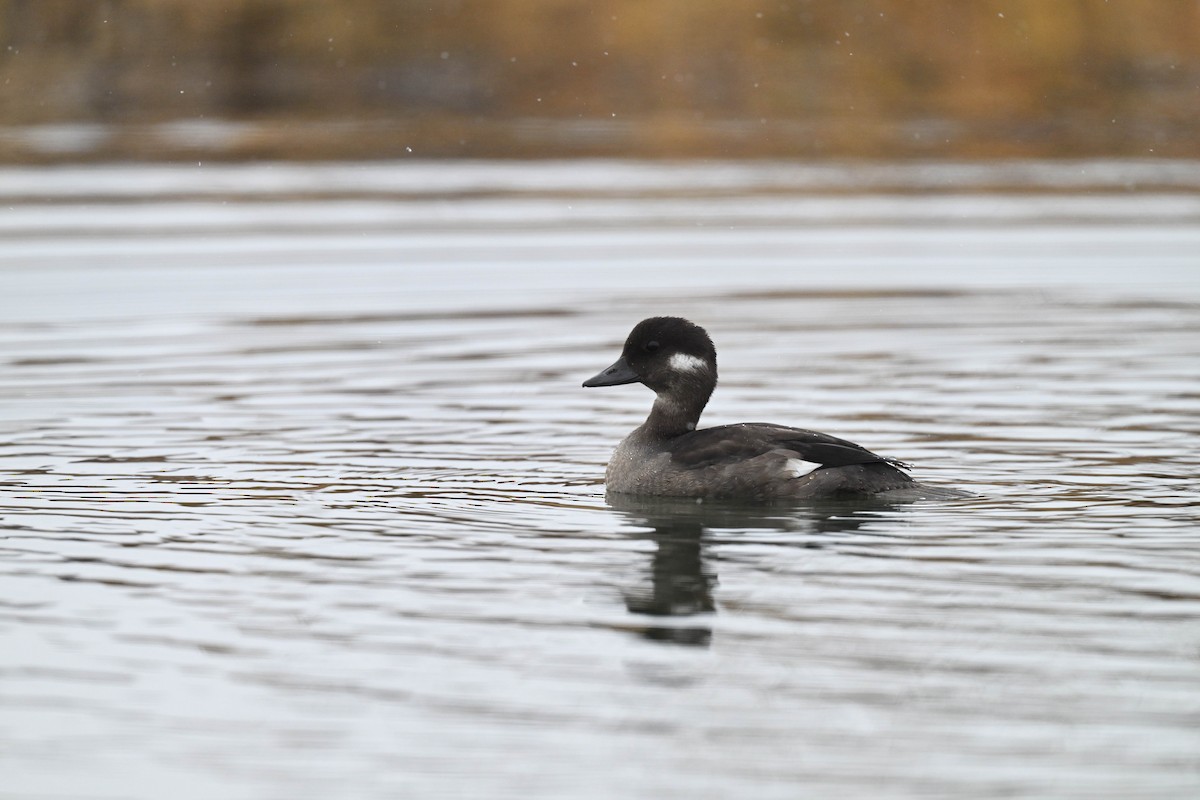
300, 495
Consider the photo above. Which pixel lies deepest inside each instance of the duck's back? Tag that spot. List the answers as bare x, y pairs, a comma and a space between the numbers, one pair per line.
751, 461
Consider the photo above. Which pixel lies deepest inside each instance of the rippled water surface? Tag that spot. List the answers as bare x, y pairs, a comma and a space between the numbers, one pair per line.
301, 496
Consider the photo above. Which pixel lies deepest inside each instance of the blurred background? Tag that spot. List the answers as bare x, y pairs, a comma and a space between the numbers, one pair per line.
299, 79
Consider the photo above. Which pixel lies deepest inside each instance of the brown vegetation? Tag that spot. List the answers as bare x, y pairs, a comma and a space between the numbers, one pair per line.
613, 77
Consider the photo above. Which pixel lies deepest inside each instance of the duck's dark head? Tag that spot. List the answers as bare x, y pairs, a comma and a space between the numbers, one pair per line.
672, 356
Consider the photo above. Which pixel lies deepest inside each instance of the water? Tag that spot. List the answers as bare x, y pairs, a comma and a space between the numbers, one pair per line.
301, 496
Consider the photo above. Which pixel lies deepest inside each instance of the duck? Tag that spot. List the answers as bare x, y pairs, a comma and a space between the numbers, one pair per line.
668, 456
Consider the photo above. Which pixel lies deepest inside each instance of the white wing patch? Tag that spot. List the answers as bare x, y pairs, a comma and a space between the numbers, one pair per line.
798, 468
682, 362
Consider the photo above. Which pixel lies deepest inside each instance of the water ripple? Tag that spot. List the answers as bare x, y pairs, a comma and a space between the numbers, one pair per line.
338, 530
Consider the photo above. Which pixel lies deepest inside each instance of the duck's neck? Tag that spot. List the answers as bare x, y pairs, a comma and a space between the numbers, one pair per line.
674, 416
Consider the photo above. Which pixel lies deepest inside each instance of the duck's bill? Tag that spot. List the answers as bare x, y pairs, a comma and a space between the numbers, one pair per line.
619, 373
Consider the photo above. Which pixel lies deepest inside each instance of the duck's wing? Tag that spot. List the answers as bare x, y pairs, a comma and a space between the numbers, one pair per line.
735, 443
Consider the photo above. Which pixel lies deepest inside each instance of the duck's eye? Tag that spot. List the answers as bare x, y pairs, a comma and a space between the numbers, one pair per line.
651, 347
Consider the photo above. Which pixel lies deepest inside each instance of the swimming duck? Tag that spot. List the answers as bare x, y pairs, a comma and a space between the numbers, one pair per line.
668, 456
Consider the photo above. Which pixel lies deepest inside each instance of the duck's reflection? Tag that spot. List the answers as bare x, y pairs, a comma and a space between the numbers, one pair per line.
682, 578
680, 582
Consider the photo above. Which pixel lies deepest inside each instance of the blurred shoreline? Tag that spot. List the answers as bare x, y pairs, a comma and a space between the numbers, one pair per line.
155, 80
442, 137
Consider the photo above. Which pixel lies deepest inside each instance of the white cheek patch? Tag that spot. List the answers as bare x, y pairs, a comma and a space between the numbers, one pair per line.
682, 362
798, 468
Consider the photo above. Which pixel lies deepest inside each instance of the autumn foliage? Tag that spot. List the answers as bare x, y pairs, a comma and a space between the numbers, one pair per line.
635, 77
